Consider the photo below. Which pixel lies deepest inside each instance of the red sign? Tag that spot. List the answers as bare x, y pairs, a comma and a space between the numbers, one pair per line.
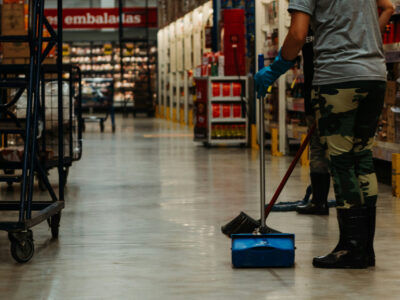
97, 18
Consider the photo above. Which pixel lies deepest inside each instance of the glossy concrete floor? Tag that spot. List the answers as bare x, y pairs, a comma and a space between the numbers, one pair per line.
142, 221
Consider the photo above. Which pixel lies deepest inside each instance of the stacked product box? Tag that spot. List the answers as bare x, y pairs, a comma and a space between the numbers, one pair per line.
221, 115
13, 23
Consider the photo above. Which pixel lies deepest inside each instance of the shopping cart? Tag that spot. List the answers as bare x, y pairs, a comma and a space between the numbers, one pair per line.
11, 152
98, 101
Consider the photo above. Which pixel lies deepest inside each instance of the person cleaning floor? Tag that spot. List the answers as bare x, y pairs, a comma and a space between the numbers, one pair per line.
319, 162
348, 92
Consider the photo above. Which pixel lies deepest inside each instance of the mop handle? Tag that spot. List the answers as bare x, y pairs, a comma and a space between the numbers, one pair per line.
289, 172
262, 160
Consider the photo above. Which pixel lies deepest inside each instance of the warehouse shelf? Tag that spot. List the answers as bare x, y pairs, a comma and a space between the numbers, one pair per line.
228, 120
385, 150
181, 45
226, 99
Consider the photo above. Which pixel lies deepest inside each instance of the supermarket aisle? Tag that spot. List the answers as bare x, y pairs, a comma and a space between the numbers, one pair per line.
144, 208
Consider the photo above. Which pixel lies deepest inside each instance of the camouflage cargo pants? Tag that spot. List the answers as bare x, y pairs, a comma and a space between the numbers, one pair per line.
319, 160
347, 116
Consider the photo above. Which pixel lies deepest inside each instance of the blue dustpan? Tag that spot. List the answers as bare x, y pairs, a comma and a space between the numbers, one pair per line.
263, 250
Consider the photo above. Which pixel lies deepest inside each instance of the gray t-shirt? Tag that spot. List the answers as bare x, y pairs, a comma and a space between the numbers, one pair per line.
348, 41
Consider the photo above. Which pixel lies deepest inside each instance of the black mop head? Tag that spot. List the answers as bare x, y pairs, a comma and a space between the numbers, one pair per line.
243, 224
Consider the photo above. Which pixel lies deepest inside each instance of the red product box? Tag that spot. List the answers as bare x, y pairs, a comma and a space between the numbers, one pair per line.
227, 89
216, 89
216, 110
226, 110
237, 89
234, 42
237, 110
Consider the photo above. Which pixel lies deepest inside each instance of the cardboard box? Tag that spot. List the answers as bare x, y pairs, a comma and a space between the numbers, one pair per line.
390, 96
15, 50
15, 61
12, 19
50, 61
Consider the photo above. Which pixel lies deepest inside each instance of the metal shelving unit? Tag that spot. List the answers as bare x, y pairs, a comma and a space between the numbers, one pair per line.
141, 103
19, 231
235, 130
181, 46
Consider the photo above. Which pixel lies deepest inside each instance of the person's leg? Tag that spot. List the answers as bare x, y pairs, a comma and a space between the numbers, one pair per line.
365, 128
336, 111
319, 175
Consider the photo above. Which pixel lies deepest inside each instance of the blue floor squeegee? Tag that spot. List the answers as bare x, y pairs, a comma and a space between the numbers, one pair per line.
262, 249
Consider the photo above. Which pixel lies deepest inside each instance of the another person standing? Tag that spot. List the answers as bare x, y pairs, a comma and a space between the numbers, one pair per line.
319, 162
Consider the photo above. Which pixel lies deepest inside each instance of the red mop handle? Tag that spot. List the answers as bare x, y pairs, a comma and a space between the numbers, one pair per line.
289, 171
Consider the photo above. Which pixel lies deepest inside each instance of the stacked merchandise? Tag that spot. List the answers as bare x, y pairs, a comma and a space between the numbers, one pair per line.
220, 113
222, 88
171, 10
139, 74
13, 23
103, 61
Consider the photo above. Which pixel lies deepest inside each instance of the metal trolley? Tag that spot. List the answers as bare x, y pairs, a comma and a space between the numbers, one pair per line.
11, 152
19, 231
98, 95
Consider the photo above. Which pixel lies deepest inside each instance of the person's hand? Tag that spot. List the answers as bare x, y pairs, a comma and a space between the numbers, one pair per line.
268, 75
263, 79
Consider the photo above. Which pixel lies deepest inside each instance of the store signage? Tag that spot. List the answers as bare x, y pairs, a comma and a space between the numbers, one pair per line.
97, 18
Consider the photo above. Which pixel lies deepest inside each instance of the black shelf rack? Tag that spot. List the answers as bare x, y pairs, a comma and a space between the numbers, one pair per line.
19, 231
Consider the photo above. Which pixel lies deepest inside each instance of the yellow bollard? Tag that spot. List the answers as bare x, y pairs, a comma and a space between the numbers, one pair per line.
168, 113
304, 159
275, 143
190, 117
182, 116
174, 118
396, 174
254, 144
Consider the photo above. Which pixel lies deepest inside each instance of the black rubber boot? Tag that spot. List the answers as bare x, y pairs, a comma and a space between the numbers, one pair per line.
352, 249
371, 235
320, 189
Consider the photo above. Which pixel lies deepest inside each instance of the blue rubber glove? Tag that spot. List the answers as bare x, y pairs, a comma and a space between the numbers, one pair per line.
268, 75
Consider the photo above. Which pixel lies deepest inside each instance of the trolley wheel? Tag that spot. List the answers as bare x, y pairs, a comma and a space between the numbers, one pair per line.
102, 126
66, 172
22, 247
55, 225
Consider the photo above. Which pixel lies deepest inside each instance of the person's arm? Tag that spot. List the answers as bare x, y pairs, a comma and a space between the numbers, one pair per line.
296, 36
387, 11
294, 41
